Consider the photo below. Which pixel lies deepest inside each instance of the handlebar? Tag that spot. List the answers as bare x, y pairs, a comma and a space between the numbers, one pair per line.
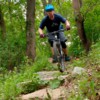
55, 32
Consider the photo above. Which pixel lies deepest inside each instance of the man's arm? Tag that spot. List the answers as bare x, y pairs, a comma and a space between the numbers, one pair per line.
67, 24
40, 31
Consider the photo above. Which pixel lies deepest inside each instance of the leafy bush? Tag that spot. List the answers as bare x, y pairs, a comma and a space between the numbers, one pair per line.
75, 48
10, 80
12, 52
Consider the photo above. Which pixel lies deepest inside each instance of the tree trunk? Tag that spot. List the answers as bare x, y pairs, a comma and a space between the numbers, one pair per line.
10, 11
2, 26
80, 25
30, 46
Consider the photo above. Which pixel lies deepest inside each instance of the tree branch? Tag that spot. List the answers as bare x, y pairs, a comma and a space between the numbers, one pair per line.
10, 11
62, 2
89, 8
44, 5
49, 1
81, 4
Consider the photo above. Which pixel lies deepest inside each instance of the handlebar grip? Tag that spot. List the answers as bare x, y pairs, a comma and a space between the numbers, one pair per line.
67, 28
41, 35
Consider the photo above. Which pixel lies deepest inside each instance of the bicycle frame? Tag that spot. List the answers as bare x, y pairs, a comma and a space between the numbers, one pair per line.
57, 45
56, 37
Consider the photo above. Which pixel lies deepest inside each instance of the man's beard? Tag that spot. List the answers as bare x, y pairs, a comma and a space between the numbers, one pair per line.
51, 16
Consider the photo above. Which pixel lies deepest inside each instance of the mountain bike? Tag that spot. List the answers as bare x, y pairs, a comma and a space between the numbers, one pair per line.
58, 53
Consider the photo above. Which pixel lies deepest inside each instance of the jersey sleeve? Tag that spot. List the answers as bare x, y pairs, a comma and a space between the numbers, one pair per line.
62, 19
42, 25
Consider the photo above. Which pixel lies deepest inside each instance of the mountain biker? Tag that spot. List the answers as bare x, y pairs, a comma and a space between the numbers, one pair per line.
52, 23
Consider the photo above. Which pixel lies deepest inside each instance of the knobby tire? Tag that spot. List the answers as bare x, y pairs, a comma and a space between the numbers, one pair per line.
58, 54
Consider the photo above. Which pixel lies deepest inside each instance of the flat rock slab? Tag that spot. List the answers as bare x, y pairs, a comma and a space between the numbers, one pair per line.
47, 74
41, 94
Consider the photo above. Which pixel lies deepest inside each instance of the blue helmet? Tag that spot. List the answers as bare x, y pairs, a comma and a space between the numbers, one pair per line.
49, 7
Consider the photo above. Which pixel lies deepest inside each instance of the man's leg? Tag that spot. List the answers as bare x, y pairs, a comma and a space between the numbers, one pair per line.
64, 49
53, 59
52, 50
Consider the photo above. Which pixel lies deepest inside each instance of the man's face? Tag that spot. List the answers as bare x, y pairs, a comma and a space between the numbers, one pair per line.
50, 13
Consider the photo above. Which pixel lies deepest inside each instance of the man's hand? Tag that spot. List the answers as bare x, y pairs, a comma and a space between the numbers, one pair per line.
67, 25
68, 28
41, 35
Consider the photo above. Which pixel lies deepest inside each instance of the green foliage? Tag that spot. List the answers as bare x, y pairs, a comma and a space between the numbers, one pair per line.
92, 86
88, 83
34, 85
76, 48
54, 83
13, 50
10, 80
8, 89
85, 86
90, 12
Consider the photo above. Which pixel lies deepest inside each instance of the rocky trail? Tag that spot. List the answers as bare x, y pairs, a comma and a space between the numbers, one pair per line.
59, 93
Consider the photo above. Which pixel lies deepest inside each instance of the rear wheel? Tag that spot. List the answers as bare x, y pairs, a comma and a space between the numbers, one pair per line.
59, 56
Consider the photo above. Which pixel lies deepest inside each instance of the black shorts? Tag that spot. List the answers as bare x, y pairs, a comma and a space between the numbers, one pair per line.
62, 44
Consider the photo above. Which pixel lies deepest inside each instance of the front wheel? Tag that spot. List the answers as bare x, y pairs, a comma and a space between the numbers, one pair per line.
59, 56
56, 51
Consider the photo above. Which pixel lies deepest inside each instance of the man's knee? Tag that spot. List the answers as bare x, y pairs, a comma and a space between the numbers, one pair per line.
50, 42
63, 45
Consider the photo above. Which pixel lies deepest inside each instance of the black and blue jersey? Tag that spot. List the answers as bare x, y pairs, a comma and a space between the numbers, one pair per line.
52, 25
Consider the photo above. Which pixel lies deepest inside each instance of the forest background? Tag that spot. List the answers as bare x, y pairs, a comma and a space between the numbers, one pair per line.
23, 52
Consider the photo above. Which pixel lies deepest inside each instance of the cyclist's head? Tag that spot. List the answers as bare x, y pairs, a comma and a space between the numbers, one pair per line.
49, 8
